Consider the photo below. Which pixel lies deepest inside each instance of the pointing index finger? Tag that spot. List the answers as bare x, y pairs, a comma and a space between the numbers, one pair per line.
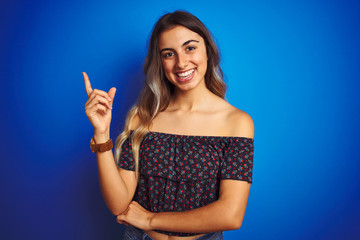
87, 84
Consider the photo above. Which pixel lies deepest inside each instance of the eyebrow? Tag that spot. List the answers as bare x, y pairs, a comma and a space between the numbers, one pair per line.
184, 44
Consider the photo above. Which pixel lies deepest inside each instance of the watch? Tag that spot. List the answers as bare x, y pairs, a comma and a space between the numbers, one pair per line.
102, 147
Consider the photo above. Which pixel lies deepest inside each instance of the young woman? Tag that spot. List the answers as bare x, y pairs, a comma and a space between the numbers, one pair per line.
183, 164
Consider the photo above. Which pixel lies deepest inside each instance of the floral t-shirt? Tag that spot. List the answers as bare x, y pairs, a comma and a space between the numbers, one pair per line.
183, 172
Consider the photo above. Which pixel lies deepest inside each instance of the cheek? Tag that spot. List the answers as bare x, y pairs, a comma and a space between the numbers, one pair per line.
202, 62
201, 58
167, 68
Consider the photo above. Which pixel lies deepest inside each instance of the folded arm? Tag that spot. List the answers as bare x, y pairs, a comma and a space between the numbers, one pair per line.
226, 213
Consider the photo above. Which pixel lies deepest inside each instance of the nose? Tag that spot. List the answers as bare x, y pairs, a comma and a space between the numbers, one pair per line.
182, 61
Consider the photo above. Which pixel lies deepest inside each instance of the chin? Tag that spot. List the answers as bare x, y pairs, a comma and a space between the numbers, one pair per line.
187, 87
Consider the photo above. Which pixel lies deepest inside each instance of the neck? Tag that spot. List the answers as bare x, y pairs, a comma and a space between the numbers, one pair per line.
191, 100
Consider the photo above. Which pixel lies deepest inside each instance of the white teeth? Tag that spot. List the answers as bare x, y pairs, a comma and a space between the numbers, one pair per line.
185, 74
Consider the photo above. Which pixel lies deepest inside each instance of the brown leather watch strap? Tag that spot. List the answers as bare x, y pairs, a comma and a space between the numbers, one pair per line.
102, 147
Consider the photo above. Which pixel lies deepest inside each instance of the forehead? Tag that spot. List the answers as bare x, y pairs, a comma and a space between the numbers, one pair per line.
176, 36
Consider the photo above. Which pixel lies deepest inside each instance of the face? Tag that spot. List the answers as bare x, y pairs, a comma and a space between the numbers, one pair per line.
183, 56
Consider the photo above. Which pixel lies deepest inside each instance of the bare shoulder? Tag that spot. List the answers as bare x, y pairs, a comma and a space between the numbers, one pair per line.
240, 122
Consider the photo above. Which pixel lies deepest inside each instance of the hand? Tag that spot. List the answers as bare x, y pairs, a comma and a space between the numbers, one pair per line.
136, 216
98, 107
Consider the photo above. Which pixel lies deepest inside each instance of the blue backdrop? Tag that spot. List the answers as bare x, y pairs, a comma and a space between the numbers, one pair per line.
292, 65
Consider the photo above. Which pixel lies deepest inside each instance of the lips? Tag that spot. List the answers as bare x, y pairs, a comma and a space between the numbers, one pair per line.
185, 76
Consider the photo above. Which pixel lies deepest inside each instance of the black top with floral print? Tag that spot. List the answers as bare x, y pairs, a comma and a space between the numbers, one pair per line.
183, 172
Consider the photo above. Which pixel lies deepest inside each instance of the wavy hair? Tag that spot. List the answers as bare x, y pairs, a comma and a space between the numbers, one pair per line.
155, 96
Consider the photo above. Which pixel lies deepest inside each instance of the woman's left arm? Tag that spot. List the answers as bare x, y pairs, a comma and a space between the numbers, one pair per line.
226, 213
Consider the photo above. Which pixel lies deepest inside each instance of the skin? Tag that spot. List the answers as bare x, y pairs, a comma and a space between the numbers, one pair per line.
193, 110
183, 50
117, 185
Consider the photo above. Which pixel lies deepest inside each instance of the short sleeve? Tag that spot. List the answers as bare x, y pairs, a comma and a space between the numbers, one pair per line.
238, 160
126, 160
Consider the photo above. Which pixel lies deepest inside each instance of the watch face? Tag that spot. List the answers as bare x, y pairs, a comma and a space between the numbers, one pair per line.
94, 148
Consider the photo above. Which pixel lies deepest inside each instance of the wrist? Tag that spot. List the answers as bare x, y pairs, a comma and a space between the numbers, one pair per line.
101, 137
101, 147
152, 223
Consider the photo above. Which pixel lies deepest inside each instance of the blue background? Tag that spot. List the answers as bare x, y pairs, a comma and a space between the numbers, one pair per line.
292, 65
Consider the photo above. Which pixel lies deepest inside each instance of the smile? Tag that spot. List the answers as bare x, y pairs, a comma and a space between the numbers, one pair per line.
185, 76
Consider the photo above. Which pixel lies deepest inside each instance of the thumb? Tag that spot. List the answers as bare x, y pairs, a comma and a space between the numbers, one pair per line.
111, 93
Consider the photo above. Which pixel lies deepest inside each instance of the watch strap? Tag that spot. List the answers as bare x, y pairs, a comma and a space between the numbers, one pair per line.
102, 147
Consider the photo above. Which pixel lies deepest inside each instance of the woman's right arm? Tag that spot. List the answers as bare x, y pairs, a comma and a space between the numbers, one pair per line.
117, 185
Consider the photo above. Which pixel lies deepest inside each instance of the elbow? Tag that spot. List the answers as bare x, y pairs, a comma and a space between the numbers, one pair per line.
117, 206
234, 221
117, 211
235, 225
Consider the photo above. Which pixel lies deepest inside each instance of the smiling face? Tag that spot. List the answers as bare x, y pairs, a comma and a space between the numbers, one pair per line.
183, 57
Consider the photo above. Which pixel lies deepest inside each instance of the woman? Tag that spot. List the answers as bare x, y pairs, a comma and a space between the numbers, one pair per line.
183, 164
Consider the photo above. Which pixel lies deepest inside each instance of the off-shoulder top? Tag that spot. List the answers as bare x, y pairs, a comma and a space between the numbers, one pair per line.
183, 172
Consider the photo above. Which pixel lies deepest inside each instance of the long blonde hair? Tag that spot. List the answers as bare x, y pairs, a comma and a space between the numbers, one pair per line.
155, 96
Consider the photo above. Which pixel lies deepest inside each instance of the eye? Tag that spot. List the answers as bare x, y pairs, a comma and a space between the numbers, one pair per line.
190, 48
168, 54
